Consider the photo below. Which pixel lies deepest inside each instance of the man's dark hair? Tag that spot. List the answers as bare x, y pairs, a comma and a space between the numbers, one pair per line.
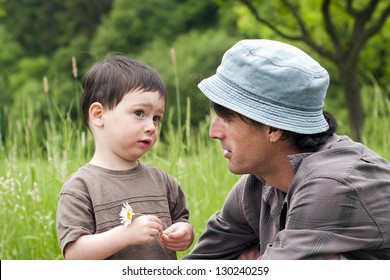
311, 142
304, 142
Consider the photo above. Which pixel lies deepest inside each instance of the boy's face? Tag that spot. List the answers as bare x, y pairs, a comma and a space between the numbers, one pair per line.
131, 128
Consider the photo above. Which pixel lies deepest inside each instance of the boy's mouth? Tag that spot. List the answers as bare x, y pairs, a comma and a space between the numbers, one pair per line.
145, 143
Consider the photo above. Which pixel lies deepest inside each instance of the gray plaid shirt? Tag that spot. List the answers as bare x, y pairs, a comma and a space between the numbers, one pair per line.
338, 202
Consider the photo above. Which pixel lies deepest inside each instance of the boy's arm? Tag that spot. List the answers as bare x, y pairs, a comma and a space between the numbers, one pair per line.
142, 230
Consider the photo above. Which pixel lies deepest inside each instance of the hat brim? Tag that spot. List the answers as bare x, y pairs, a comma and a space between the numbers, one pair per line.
220, 91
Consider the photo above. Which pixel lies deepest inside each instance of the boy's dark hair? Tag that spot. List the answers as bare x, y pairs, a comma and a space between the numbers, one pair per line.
305, 142
111, 79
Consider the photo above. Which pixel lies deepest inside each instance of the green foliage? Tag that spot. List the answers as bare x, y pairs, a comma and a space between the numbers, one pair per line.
27, 86
28, 219
10, 51
373, 57
2, 12
132, 25
55, 31
377, 108
198, 55
42, 26
42, 140
29, 68
335, 33
33, 168
61, 62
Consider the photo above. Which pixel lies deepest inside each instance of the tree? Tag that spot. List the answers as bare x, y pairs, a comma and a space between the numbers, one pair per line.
347, 27
198, 54
132, 25
10, 51
41, 26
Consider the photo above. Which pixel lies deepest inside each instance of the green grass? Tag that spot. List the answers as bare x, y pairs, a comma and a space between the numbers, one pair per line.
28, 202
35, 165
37, 155
29, 191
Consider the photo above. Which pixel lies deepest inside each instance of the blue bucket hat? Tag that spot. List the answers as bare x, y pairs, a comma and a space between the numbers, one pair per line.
272, 83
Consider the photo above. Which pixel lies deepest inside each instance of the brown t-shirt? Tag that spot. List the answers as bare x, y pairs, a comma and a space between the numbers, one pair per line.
91, 200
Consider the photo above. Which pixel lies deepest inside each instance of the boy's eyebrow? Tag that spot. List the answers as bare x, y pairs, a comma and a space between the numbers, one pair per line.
149, 105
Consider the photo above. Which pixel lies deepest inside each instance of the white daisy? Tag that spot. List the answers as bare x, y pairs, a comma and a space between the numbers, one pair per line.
126, 215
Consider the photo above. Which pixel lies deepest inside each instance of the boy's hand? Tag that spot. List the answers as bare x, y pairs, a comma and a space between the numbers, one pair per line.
178, 236
144, 229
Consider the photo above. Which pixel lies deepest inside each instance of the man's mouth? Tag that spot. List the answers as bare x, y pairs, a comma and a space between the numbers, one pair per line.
227, 153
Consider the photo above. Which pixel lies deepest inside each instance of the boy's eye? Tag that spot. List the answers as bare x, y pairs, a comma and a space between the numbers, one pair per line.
139, 113
157, 119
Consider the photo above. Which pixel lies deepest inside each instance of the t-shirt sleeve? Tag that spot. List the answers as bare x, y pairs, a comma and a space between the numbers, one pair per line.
177, 201
74, 213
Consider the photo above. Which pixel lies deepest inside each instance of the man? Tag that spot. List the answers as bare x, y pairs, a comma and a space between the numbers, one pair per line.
308, 193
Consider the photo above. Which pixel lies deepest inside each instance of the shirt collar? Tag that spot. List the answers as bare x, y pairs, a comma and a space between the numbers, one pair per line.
295, 161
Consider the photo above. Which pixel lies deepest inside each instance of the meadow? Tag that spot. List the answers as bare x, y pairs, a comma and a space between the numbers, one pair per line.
34, 165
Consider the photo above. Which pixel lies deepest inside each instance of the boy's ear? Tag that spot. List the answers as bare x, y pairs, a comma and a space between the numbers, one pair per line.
96, 114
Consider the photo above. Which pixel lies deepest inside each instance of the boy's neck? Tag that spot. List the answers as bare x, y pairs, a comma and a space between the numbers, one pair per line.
113, 165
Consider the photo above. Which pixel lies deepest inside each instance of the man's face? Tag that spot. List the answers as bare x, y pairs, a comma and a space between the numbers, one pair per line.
245, 145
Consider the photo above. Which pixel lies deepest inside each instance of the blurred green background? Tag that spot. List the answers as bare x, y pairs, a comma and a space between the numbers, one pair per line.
42, 139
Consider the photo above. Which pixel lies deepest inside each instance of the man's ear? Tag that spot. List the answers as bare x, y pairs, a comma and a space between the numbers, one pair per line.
274, 134
96, 114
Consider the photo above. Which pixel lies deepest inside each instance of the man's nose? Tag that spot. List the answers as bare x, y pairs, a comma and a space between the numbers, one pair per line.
215, 130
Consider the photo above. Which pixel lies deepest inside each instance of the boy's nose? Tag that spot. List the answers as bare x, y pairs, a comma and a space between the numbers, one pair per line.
150, 127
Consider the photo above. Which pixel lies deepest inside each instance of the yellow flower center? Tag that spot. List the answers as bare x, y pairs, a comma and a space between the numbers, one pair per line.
128, 215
